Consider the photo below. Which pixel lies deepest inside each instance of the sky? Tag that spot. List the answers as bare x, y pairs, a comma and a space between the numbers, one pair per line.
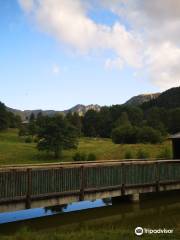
55, 54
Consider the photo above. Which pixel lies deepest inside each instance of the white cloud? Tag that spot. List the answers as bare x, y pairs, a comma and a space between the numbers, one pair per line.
68, 21
27, 5
163, 64
158, 23
114, 63
55, 69
151, 44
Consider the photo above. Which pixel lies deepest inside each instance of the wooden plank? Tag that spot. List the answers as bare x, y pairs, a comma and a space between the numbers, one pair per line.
157, 176
103, 175
123, 180
82, 183
76, 164
29, 188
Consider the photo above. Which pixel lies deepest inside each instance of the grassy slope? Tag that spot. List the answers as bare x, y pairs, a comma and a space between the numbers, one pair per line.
13, 150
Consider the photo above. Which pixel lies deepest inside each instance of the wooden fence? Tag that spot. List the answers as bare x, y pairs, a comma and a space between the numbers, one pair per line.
40, 181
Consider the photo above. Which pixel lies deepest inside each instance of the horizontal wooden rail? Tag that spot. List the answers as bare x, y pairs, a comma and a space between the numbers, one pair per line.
29, 182
86, 163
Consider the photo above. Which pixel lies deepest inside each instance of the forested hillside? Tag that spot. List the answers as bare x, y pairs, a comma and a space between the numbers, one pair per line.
148, 123
168, 99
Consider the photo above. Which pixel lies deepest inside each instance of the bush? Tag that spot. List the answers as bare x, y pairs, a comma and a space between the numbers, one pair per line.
91, 157
124, 134
79, 157
130, 135
149, 135
142, 154
35, 139
128, 155
23, 131
165, 154
28, 140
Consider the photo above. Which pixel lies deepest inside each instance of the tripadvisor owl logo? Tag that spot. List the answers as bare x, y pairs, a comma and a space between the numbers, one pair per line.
139, 231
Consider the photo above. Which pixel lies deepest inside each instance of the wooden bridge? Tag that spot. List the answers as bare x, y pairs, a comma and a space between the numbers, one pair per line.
31, 186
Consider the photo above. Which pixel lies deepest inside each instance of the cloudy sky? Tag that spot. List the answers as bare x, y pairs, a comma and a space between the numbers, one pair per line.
58, 53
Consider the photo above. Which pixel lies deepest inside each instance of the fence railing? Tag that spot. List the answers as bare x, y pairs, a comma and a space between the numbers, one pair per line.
38, 181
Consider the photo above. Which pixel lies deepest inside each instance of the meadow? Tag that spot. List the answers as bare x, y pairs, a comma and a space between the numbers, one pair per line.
14, 150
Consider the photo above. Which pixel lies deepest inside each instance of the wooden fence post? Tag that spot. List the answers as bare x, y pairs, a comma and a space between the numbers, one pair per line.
29, 188
157, 177
82, 183
123, 180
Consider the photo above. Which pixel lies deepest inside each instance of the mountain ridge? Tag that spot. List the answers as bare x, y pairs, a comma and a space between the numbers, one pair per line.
168, 98
142, 98
79, 108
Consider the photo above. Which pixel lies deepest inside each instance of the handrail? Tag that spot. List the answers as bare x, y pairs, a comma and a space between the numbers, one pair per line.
87, 163
29, 181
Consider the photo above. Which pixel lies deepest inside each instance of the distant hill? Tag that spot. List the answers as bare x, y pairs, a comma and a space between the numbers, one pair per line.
80, 109
167, 99
143, 98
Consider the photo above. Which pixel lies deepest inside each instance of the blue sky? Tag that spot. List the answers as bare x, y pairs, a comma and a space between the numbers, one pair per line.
39, 70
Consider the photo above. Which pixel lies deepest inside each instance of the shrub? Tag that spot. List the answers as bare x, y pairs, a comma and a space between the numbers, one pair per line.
28, 140
35, 139
149, 135
124, 134
79, 157
83, 157
23, 131
142, 154
91, 157
128, 155
130, 135
165, 154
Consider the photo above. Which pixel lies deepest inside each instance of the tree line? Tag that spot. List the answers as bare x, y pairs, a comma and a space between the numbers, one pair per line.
130, 124
8, 119
122, 123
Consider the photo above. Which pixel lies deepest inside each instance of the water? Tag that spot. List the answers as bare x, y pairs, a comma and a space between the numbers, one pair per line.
161, 210
48, 211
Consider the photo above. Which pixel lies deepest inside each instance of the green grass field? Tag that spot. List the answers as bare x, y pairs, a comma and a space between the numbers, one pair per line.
14, 150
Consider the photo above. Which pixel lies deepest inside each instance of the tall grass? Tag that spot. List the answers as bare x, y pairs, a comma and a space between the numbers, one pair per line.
14, 150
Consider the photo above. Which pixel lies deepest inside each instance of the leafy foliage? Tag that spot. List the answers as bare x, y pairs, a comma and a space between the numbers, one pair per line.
142, 154
8, 119
168, 99
130, 135
56, 134
128, 154
81, 156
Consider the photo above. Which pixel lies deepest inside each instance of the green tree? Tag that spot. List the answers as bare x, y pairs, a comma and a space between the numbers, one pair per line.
104, 124
124, 134
123, 120
135, 115
32, 125
75, 120
3, 117
14, 121
55, 134
154, 119
90, 123
32, 117
149, 135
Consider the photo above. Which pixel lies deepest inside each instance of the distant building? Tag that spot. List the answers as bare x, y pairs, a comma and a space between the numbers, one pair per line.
176, 145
